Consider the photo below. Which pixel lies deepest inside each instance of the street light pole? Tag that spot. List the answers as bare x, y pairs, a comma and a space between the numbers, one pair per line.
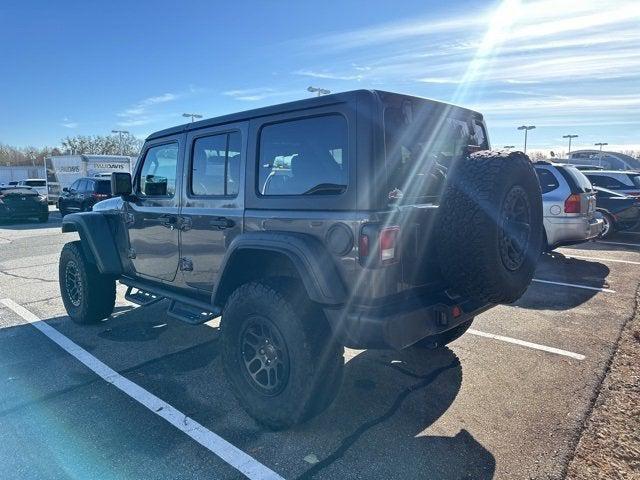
570, 137
120, 133
319, 91
193, 116
526, 129
600, 144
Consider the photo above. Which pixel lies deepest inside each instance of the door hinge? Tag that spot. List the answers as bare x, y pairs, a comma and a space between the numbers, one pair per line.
131, 253
186, 265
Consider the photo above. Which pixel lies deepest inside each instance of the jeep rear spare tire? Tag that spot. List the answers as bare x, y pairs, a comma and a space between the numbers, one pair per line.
490, 226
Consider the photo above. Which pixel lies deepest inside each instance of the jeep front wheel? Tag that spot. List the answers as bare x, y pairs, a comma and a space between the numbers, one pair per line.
88, 295
278, 354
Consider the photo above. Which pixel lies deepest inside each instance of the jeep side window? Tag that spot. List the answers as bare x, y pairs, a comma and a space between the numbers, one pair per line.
215, 167
159, 170
304, 157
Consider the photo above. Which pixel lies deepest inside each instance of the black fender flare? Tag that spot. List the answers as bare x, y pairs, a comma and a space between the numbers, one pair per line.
315, 265
96, 239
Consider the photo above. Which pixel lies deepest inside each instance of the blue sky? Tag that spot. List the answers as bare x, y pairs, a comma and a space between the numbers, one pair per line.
89, 67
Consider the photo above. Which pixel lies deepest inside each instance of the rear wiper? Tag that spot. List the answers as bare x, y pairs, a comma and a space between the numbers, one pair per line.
323, 188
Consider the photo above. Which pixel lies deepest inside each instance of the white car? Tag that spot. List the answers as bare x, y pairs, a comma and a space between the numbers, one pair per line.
37, 184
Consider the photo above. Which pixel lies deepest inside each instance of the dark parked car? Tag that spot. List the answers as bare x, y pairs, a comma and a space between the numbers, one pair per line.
619, 212
21, 203
83, 194
621, 181
364, 219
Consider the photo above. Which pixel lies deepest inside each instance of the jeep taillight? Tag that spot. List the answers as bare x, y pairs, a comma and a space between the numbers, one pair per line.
378, 245
572, 204
388, 244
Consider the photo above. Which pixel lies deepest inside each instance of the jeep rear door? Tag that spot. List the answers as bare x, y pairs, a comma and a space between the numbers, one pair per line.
212, 201
151, 216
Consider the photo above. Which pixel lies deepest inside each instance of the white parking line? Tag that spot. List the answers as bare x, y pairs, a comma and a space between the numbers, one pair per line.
575, 285
524, 343
620, 243
603, 259
232, 455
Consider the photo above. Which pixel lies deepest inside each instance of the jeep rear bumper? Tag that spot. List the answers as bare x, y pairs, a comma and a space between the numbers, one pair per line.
402, 323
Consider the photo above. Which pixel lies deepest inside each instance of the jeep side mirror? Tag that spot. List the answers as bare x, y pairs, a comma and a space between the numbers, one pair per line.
65, 189
121, 184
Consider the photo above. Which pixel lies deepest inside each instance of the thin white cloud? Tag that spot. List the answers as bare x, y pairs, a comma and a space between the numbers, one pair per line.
68, 123
331, 75
257, 94
145, 112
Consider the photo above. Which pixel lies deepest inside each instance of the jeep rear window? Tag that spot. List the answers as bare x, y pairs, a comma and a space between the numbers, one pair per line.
304, 157
420, 147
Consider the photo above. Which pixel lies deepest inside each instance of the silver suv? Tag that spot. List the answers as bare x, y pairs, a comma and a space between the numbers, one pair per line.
569, 205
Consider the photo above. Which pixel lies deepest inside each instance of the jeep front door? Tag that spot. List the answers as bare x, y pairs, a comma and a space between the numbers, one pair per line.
212, 204
151, 215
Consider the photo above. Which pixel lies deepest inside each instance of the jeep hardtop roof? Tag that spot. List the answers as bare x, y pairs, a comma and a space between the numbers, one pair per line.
324, 100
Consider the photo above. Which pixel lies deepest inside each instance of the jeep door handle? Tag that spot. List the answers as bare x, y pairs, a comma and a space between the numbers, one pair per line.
169, 221
221, 223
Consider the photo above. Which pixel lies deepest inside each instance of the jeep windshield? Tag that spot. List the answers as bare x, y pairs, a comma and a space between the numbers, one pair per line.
421, 142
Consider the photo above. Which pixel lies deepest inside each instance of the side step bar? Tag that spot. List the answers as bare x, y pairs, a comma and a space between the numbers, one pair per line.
183, 307
141, 297
188, 313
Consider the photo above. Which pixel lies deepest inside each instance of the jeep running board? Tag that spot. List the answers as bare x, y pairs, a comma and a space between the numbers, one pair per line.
141, 297
183, 307
189, 313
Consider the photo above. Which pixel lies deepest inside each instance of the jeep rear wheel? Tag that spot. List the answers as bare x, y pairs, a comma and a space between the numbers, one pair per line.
88, 296
490, 226
278, 353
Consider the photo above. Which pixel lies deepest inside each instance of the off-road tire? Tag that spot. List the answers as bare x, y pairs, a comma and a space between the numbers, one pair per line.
472, 219
315, 360
445, 338
97, 291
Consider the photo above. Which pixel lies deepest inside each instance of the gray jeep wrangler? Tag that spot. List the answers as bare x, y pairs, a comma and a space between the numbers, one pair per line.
364, 219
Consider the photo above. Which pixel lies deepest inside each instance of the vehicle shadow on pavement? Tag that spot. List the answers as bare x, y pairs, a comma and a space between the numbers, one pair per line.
374, 429
378, 421
555, 267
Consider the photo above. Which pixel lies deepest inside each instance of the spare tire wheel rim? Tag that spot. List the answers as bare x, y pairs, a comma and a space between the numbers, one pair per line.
73, 283
515, 228
264, 355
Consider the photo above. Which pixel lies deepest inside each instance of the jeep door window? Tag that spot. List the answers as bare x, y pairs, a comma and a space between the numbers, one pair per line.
420, 146
159, 170
304, 157
215, 167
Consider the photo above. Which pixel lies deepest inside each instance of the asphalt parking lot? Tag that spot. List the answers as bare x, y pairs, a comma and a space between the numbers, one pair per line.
143, 396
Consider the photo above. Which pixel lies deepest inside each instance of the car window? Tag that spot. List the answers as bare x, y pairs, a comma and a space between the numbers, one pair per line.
635, 179
36, 183
548, 181
215, 165
304, 157
89, 187
605, 181
420, 148
159, 171
82, 186
74, 185
102, 186
576, 179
